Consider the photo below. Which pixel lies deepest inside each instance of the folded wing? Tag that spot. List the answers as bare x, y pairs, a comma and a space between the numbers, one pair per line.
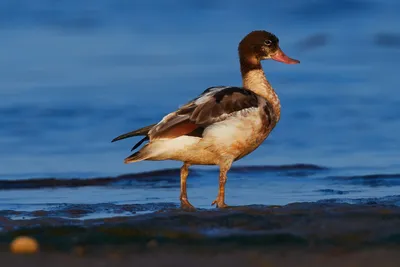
214, 105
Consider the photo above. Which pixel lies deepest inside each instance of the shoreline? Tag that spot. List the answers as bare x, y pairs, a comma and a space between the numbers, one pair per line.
298, 234
180, 257
293, 224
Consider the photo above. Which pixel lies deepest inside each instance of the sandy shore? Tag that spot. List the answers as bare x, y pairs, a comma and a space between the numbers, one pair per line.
180, 257
300, 234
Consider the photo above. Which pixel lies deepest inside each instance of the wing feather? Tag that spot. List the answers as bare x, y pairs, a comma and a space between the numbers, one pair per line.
214, 105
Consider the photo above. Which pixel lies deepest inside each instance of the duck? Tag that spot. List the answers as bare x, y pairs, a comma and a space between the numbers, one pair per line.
221, 125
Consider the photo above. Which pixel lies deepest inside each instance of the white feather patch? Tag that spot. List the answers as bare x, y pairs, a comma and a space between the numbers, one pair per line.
237, 127
206, 97
171, 146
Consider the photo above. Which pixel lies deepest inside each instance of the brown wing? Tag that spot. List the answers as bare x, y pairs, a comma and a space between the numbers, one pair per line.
214, 105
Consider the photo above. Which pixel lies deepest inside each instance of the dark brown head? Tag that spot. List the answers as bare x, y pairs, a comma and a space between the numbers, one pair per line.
260, 45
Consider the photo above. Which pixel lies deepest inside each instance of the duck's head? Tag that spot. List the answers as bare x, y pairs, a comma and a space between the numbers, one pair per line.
261, 45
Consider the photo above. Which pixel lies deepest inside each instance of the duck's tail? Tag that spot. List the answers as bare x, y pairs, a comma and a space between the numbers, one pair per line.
147, 152
138, 156
143, 153
141, 131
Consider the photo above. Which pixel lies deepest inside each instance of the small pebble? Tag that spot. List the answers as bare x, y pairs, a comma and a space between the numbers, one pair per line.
152, 244
24, 245
80, 251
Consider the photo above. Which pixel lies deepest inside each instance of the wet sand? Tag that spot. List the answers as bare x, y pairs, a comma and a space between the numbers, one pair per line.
178, 257
299, 234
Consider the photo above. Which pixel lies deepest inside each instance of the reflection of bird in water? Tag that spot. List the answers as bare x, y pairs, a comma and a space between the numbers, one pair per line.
221, 125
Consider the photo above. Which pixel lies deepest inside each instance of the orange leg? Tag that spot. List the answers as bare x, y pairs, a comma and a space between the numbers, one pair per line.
220, 200
185, 204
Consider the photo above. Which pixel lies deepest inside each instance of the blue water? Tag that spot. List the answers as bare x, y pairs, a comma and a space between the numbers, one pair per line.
73, 75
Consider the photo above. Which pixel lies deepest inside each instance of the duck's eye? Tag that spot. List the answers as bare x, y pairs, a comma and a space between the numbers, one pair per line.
267, 42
